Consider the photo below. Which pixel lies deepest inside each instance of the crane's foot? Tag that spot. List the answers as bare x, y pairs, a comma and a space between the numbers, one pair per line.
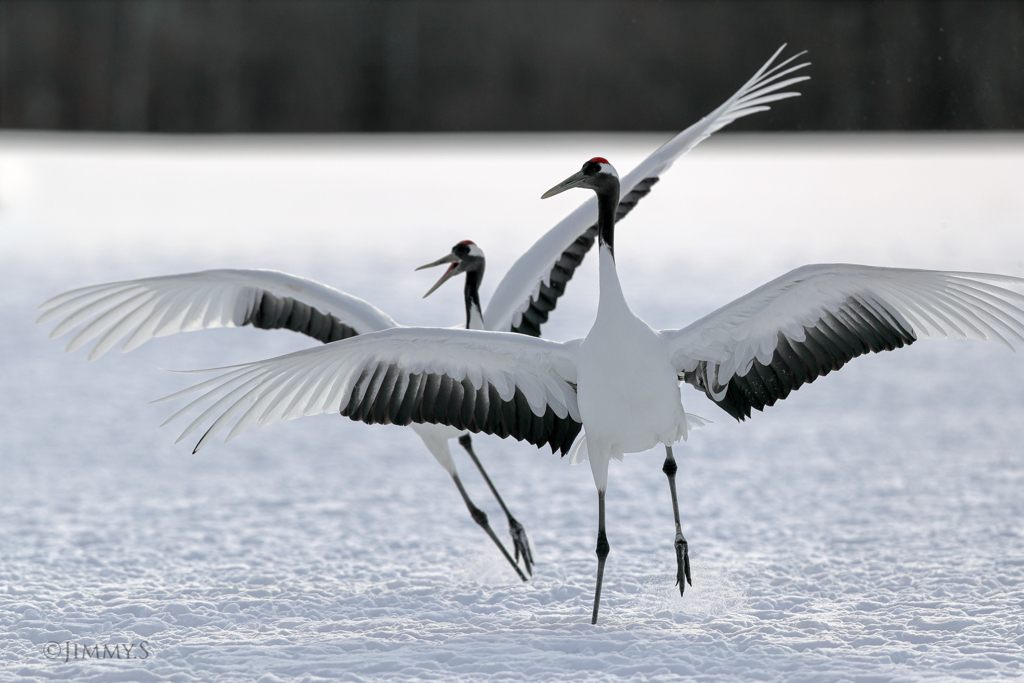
682, 564
521, 544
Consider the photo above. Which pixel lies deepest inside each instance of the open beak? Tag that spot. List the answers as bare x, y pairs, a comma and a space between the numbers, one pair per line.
453, 269
575, 180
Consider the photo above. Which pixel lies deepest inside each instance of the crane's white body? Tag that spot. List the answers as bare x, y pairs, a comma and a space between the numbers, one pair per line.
628, 392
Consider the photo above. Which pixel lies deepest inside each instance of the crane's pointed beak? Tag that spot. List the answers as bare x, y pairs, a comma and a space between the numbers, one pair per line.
453, 270
575, 180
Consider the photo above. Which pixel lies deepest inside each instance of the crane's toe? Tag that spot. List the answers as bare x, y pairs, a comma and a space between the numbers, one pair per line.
682, 564
521, 543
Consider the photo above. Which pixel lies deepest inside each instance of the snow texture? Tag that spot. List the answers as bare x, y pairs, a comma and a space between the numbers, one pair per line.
868, 528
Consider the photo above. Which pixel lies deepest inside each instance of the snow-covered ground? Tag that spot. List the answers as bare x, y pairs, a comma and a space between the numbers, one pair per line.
868, 528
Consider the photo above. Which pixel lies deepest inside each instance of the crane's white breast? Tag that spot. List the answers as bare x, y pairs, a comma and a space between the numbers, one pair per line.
628, 390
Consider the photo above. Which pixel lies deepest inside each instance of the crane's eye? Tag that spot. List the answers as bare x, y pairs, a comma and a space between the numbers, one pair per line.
592, 168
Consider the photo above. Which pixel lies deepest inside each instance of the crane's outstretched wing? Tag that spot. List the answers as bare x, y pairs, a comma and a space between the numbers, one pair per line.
532, 286
812, 320
160, 306
496, 383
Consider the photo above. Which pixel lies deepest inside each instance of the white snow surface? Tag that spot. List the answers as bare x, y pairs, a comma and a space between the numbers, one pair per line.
868, 528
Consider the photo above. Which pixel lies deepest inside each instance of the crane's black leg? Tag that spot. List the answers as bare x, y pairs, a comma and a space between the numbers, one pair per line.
480, 517
515, 529
682, 549
602, 552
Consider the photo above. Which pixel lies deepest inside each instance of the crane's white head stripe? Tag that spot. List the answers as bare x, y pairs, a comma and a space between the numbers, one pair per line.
599, 165
468, 248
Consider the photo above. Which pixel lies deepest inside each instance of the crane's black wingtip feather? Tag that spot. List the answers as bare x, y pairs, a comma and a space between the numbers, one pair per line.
857, 326
270, 312
385, 393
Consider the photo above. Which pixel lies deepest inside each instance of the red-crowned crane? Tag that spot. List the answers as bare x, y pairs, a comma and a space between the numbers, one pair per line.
621, 383
161, 306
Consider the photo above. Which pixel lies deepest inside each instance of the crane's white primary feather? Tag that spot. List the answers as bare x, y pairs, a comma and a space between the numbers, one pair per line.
513, 294
328, 378
834, 303
160, 306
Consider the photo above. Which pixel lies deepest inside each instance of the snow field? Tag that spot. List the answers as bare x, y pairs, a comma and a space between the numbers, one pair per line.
868, 528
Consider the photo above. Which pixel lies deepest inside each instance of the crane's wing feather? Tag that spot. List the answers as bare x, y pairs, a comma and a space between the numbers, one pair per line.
757, 349
490, 382
160, 306
532, 286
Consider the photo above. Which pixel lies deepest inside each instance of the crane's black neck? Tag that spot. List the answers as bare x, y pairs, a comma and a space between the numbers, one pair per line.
607, 205
472, 294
